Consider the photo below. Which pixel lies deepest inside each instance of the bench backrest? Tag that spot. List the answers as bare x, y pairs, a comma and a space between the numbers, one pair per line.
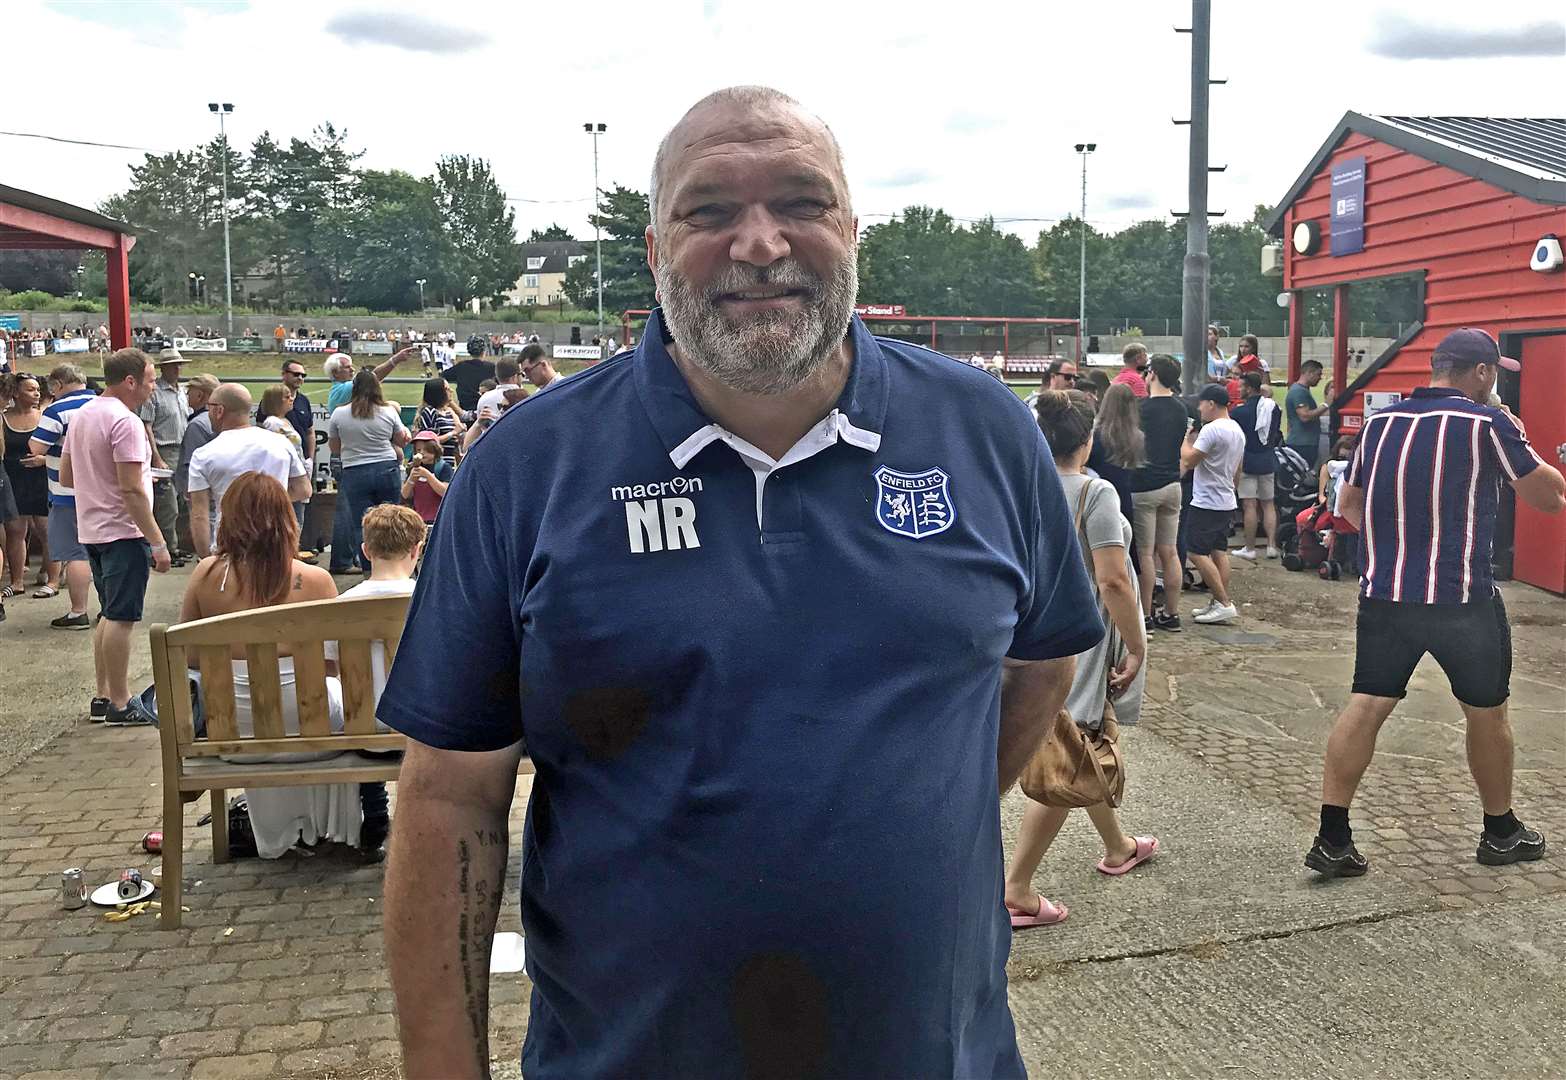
355, 624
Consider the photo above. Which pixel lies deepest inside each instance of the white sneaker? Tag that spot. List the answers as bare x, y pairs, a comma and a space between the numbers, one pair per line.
1218, 613
1272, 553
1244, 553
1197, 613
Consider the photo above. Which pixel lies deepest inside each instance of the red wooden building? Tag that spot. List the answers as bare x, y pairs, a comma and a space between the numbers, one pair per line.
33, 222
1465, 207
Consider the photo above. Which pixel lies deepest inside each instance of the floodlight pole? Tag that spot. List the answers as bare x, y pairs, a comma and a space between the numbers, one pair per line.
596, 130
222, 110
1084, 149
1198, 264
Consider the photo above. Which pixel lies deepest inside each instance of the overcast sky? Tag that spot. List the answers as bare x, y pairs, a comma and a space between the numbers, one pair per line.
972, 106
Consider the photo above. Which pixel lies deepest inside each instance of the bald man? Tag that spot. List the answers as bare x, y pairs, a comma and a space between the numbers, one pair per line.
237, 447
720, 601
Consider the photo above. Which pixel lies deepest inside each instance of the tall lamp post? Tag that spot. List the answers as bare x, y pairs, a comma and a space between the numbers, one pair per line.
1084, 149
596, 130
222, 110
421, 282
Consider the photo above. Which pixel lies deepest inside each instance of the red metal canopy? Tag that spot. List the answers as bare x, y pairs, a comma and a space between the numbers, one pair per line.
32, 222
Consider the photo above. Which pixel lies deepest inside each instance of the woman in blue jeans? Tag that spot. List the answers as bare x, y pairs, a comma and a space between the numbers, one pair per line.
368, 435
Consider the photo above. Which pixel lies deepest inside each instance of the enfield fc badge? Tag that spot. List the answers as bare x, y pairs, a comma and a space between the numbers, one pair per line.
916, 505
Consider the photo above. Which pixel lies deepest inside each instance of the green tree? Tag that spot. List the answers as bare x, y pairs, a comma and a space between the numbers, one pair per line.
554, 232
480, 228
628, 283
931, 265
399, 238
52, 272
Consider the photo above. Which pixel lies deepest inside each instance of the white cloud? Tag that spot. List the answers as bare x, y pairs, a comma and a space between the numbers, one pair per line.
1400, 38
401, 30
888, 75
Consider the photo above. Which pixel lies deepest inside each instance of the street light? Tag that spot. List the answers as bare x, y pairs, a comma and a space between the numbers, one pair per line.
421, 282
222, 110
1083, 149
596, 130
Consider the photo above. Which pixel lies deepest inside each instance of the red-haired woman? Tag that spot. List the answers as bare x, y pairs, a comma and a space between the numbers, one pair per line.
254, 567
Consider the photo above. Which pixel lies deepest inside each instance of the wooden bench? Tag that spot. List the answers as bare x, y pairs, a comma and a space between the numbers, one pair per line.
192, 765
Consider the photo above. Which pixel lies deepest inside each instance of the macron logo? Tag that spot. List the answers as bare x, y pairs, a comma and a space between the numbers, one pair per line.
658, 516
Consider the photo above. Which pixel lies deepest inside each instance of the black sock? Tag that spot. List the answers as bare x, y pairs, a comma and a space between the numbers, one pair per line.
1334, 825
1501, 826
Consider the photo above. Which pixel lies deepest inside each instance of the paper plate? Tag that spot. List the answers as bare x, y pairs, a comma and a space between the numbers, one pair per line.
109, 895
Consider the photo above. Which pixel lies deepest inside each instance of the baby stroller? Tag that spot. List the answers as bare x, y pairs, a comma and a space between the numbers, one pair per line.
1294, 490
1323, 542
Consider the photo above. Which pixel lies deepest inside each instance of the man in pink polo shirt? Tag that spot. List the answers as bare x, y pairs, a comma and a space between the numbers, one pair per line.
1133, 359
107, 461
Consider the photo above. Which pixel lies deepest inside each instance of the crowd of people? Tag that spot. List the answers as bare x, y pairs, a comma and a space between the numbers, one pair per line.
1188, 471
16, 346
162, 470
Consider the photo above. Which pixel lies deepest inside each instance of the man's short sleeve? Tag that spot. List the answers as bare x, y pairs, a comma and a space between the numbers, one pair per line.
465, 605
148, 411
1356, 469
197, 477
48, 430
129, 440
1059, 616
1206, 438
1515, 456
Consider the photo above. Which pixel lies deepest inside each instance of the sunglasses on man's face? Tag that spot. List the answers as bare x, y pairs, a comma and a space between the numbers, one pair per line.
1068, 378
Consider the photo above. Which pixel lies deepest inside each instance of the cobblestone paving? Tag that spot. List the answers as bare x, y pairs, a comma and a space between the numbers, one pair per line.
277, 970
1259, 711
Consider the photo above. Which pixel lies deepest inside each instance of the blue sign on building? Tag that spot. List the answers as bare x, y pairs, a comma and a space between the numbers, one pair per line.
1348, 206
10, 322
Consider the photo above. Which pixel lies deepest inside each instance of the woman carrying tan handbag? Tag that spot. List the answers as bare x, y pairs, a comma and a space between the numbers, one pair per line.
1079, 763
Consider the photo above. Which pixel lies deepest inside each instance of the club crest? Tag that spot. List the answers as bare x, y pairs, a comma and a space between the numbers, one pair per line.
916, 505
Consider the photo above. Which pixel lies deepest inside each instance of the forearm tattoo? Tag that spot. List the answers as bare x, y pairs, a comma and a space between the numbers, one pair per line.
479, 905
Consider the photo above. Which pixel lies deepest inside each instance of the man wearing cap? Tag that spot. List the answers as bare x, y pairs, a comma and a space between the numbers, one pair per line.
1424, 489
165, 415
779, 606
1213, 454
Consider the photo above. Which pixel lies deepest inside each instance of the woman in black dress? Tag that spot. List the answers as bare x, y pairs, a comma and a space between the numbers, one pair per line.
29, 483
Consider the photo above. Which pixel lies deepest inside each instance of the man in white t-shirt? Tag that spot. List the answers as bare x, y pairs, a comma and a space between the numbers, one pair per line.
237, 448
1214, 455
494, 402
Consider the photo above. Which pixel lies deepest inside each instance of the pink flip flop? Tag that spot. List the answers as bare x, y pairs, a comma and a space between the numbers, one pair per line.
1146, 848
1048, 914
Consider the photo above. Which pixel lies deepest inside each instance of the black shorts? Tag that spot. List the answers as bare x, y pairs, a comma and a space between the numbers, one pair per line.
1207, 531
120, 571
1471, 642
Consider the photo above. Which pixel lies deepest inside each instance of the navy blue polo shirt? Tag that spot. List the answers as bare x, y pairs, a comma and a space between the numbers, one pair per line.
1431, 467
762, 699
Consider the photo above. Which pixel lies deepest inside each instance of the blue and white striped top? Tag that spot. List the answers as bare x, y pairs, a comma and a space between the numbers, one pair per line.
51, 432
1431, 468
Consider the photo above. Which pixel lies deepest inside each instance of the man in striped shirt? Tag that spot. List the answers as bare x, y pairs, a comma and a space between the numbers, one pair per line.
69, 386
1424, 488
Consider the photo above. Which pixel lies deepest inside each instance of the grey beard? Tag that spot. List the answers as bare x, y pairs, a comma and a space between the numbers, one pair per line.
774, 352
